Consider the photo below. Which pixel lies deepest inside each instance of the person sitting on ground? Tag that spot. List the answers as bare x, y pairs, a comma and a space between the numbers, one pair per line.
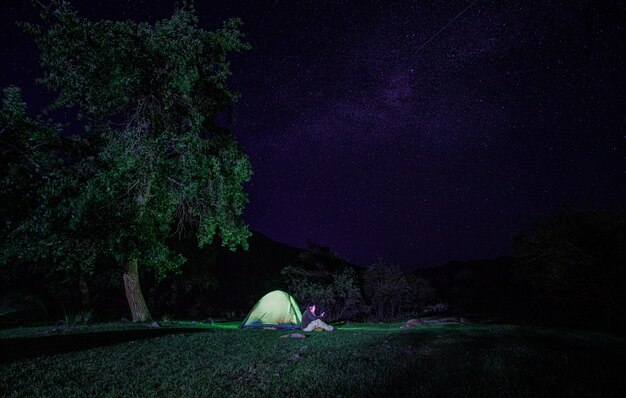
310, 321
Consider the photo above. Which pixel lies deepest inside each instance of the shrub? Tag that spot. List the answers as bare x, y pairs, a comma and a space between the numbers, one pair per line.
393, 293
20, 306
339, 296
78, 318
435, 308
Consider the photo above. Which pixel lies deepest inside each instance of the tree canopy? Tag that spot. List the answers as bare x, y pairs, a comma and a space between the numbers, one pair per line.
149, 161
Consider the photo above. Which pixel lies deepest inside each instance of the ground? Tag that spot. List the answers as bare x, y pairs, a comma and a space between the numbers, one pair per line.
220, 360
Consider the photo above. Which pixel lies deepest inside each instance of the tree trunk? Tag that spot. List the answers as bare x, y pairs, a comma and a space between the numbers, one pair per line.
85, 299
136, 302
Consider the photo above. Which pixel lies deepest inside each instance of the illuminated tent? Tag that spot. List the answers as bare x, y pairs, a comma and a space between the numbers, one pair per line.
276, 309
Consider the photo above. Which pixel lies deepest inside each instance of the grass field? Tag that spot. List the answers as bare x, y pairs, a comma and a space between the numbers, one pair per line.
357, 360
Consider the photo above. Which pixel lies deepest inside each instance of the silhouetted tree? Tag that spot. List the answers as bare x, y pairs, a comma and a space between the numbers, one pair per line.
392, 292
578, 257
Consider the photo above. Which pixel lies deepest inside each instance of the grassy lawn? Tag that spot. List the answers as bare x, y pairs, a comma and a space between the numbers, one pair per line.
52, 330
357, 360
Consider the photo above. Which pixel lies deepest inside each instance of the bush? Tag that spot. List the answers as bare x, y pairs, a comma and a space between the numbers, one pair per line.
340, 296
19, 306
78, 318
435, 308
393, 293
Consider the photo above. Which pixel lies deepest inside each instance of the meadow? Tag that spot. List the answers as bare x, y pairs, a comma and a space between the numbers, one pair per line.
220, 360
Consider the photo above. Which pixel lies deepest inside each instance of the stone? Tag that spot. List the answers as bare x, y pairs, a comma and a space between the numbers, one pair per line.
293, 336
413, 322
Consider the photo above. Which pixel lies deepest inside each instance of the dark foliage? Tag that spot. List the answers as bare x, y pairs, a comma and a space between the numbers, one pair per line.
392, 293
578, 258
149, 163
321, 276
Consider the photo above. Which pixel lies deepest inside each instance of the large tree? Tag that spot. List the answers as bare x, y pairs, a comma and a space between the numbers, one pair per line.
150, 160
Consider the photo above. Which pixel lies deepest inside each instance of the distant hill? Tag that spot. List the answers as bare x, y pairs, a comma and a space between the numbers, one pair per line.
485, 287
217, 282
458, 279
491, 289
488, 288
244, 276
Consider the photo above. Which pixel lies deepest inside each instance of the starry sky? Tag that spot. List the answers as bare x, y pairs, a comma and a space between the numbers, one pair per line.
419, 131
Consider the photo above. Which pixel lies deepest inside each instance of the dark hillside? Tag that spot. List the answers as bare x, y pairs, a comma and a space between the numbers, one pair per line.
244, 276
492, 290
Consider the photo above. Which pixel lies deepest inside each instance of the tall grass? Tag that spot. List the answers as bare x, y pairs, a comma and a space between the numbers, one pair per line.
82, 317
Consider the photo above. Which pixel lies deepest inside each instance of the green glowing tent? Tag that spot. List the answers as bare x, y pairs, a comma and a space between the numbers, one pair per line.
276, 309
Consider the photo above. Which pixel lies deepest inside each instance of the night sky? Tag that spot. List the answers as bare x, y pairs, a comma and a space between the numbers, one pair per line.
419, 131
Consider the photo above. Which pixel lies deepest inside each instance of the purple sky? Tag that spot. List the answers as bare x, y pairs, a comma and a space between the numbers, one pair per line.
422, 132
